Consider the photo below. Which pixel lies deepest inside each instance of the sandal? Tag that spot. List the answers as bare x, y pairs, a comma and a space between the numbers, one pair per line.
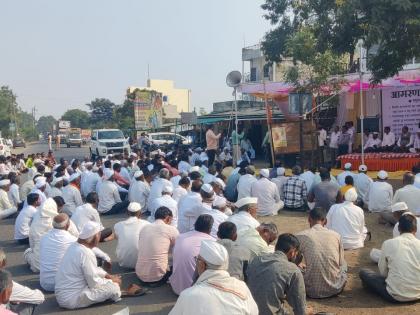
133, 290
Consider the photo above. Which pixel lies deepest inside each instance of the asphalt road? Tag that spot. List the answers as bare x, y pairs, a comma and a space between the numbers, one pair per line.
157, 301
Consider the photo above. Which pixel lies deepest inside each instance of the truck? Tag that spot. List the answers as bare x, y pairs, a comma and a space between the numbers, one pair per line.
74, 137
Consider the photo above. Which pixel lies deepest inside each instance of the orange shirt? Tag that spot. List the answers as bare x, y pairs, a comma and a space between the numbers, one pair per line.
212, 140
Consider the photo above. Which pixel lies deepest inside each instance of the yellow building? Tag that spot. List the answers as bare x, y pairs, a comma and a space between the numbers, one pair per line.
171, 95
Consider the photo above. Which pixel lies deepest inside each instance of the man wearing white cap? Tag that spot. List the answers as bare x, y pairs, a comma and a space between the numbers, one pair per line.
79, 281
56, 187
245, 218
348, 220
347, 172
373, 144
280, 180
362, 183
139, 190
399, 266
127, 234
185, 252
71, 194
379, 198
167, 201
181, 189
39, 188
187, 206
109, 197
215, 291
245, 182
6, 207
409, 194
269, 202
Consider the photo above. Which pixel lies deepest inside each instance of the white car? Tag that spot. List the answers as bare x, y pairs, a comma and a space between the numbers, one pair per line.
4, 148
164, 138
108, 141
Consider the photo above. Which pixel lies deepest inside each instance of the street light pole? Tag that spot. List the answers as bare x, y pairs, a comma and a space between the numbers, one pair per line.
361, 99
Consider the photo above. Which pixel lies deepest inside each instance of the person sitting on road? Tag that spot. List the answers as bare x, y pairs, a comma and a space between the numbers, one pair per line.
258, 240
6, 207
325, 193
362, 183
379, 198
245, 217
269, 202
341, 178
348, 183
24, 218
109, 198
72, 195
295, 191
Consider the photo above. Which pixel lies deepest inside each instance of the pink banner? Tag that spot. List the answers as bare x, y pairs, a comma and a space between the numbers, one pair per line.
401, 107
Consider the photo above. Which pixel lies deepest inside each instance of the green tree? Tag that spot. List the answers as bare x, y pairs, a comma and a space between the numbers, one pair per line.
390, 28
27, 126
45, 124
101, 112
8, 109
78, 118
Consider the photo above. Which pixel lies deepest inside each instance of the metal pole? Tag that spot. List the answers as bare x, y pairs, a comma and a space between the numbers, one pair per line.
301, 131
361, 102
236, 127
269, 124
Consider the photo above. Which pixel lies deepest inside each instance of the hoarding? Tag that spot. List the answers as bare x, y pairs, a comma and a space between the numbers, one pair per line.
147, 110
64, 124
286, 137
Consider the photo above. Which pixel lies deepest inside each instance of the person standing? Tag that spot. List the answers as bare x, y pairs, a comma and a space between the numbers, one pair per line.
344, 141
49, 142
335, 134
212, 141
266, 145
322, 138
236, 141
57, 141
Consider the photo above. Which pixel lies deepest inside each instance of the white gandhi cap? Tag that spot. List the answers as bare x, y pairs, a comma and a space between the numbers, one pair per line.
167, 189
4, 182
40, 182
207, 188
281, 171
399, 206
138, 174
246, 201
265, 173
108, 173
134, 207
382, 174
214, 253
363, 168
347, 166
89, 229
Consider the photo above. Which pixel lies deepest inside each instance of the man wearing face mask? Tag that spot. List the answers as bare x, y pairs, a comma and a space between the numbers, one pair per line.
288, 285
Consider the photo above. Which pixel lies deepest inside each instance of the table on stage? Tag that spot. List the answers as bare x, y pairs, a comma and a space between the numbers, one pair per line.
390, 162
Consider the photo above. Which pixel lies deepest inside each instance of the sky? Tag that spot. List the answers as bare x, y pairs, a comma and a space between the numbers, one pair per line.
58, 55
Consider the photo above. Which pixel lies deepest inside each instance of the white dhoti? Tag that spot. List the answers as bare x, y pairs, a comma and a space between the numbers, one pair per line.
88, 296
31, 259
7, 213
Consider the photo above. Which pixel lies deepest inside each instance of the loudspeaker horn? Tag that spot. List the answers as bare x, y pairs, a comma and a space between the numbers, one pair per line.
233, 79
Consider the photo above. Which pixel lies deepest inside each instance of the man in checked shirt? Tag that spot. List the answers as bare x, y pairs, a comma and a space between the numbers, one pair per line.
295, 192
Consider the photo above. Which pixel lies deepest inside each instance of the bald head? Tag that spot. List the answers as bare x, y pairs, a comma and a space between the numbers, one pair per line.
408, 178
61, 221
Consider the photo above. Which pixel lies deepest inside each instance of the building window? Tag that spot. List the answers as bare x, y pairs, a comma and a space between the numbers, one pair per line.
253, 76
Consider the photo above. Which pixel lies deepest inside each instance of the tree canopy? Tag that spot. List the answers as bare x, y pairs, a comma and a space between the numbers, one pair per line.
78, 118
331, 29
45, 124
101, 112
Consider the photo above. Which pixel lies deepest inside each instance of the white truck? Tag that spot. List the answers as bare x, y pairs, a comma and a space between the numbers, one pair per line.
108, 141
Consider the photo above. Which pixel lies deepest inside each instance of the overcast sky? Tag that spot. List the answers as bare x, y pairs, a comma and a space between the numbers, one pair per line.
57, 55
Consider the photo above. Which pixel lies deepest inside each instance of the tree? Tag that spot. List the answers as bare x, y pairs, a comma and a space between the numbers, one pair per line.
101, 112
26, 126
78, 118
8, 110
124, 114
45, 124
390, 30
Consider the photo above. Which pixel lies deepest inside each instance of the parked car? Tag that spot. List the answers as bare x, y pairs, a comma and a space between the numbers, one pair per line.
166, 138
19, 143
4, 148
108, 141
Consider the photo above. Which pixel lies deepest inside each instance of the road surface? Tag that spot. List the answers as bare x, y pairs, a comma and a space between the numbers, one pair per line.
157, 301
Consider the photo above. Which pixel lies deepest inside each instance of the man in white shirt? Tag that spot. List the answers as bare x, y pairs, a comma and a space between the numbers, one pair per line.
210, 175
373, 144
348, 220
182, 188
399, 266
362, 183
268, 196
258, 240
127, 234
409, 193
167, 201
215, 291
88, 212
335, 134
56, 186
416, 144
380, 197
157, 186
322, 138
245, 218
280, 180
6, 207
187, 206
217, 215
79, 281
388, 140
405, 141
347, 172
308, 176
71, 194
23, 300
14, 196
109, 197
245, 182
40, 187
52, 248
183, 165
24, 219
139, 190
89, 180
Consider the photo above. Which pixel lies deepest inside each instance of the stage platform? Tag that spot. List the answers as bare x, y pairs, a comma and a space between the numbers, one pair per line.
390, 162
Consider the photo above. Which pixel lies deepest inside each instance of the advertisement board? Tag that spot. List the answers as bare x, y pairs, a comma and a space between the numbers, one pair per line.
147, 110
286, 137
64, 124
401, 107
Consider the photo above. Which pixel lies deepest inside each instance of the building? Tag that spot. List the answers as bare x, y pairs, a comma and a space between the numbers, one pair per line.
171, 95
